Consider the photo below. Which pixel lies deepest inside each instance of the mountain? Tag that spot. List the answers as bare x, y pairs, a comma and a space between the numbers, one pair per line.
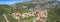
49, 4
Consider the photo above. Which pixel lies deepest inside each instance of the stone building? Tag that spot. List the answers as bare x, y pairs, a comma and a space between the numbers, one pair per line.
16, 15
42, 15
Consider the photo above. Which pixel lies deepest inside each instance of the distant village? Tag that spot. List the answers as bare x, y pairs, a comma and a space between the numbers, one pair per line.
37, 8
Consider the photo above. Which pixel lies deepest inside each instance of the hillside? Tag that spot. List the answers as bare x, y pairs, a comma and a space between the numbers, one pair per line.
30, 12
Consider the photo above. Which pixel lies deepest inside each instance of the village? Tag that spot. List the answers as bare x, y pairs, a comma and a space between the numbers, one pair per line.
31, 11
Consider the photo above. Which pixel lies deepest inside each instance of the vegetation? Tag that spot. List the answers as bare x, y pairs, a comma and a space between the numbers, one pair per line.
53, 13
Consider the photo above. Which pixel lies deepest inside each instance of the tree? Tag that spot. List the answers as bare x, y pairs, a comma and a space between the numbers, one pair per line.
5, 9
54, 14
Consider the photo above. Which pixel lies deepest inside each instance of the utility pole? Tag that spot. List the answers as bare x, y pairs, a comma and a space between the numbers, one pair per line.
5, 18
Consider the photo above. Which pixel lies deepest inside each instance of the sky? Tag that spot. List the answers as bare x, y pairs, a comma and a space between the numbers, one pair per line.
58, 0
12, 1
